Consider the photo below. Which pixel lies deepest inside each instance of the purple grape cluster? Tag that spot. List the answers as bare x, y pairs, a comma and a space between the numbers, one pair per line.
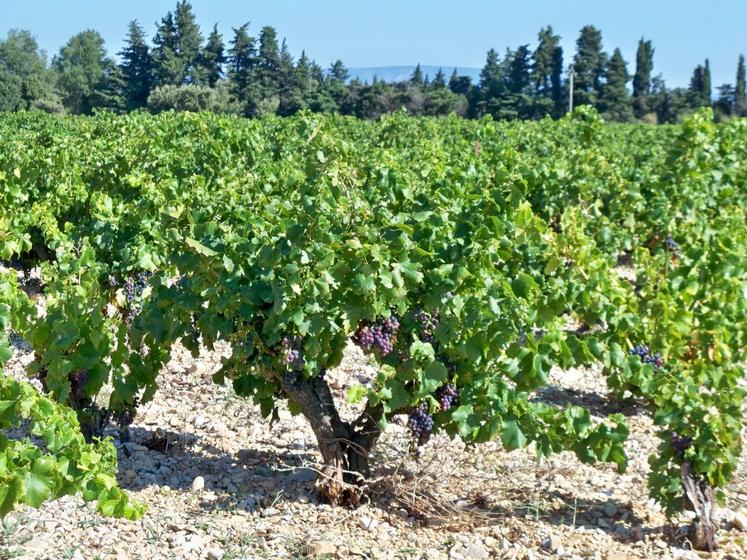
134, 286
644, 353
377, 337
292, 354
447, 396
125, 417
420, 423
672, 246
78, 382
680, 444
427, 325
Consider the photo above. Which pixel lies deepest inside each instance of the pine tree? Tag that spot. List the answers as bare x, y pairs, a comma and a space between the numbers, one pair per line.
644, 65
725, 102
740, 101
242, 61
110, 93
492, 86
80, 67
212, 58
615, 99
268, 63
588, 65
167, 65
416, 78
293, 81
338, 72
490, 75
137, 67
188, 41
519, 66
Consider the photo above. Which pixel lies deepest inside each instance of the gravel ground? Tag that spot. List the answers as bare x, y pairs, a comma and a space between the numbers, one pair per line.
221, 483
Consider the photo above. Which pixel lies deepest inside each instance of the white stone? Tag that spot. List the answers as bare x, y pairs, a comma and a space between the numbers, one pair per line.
367, 523
475, 552
215, 554
198, 484
740, 520
320, 548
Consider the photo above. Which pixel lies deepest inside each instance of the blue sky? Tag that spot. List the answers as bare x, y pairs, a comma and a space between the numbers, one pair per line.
440, 32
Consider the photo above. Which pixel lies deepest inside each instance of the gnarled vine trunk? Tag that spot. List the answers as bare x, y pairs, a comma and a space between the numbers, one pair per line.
344, 446
701, 497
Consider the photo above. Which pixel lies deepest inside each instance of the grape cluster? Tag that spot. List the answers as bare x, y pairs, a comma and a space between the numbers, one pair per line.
427, 323
134, 286
538, 334
447, 396
680, 444
78, 382
125, 417
379, 336
291, 353
672, 246
420, 423
644, 353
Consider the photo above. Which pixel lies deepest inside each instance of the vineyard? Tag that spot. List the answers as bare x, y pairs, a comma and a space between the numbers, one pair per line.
466, 263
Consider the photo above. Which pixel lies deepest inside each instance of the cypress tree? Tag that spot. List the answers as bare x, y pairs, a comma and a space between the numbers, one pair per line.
137, 67
439, 82
268, 62
589, 64
739, 88
416, 78
707, 83
545, 67
547, 72
615, 99
696, 91
644, 65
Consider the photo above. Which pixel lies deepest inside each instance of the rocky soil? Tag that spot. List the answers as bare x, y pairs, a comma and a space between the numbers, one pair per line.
222, 483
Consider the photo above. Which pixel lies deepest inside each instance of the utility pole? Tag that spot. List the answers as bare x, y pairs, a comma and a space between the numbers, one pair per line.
571, 74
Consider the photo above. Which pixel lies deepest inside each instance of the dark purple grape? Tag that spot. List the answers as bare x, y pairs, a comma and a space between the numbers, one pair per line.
378, 337
447, 396
292, 354
420, 423
680, 444
427, 325
671, 245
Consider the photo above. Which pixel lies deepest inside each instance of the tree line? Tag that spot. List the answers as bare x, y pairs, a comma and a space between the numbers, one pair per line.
254, 75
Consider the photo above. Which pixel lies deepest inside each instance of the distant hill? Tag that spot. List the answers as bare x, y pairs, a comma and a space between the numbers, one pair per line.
401, 73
